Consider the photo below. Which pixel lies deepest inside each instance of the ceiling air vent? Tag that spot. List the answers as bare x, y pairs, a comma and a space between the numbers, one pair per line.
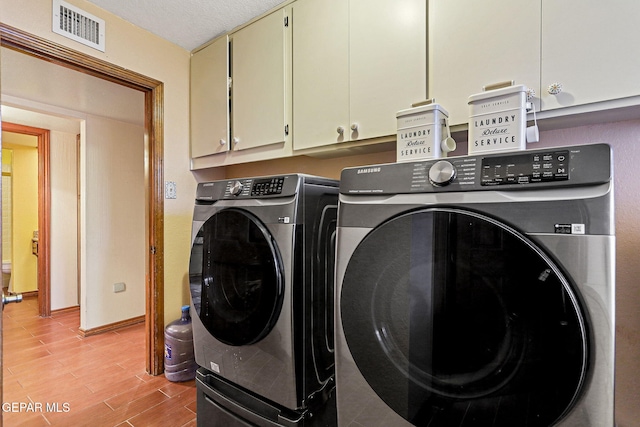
78, 25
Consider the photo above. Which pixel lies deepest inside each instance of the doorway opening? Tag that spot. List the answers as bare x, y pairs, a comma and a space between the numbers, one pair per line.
40, 239
152, 89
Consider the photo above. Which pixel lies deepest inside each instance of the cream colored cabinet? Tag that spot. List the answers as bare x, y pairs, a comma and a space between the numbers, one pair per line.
588, 52
355, 64
473, 44
210, 99
320, 72
571, 53
259, 82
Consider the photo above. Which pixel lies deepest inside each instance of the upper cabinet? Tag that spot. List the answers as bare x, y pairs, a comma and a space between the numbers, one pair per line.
355, 64
241, 94
473, 44
210, 99
313, 75
320, 72
588, 51
310, 75
260, 86
571, 53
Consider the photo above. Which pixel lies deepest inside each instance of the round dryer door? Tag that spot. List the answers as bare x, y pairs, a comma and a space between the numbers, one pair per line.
456, 319
235, 276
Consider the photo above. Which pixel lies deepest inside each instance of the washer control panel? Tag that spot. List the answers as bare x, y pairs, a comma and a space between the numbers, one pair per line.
255, 187
267, 186
525, 168
249, 188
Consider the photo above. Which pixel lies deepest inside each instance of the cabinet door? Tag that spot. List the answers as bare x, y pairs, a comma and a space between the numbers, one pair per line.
388, 68
210, 99
258, 83
473, 44
589, 47
320, 72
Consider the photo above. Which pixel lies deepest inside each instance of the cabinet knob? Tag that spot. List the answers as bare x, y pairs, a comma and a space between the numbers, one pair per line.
354, 127
340, 130
236, 140
223, 142
554, 88
531, 93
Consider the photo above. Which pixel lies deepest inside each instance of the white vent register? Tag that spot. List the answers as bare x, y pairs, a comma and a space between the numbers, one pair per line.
78, 25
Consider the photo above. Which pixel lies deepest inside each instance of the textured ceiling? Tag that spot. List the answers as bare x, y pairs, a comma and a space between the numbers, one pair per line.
187, 23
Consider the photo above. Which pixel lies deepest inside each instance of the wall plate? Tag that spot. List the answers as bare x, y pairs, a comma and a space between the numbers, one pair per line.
170, 190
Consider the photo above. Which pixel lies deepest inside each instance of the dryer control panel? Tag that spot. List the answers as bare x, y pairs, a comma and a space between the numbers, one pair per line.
526, 169
518, 170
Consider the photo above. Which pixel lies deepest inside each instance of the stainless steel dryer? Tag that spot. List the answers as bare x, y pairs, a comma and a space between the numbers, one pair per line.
477, 291
261, 277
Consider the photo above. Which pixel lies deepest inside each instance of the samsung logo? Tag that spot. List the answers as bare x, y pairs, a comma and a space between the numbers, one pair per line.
368, 170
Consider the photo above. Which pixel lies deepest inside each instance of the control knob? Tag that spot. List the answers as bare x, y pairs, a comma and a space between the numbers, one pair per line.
442, 173
236, 188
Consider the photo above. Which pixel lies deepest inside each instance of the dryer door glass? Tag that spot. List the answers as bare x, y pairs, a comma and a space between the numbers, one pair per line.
235, 276
456, 319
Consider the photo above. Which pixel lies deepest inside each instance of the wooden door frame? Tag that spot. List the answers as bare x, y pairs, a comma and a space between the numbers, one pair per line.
38, 47
44, 212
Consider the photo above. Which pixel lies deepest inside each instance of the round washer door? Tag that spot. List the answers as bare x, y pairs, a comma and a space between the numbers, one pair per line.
235, 276
456, 319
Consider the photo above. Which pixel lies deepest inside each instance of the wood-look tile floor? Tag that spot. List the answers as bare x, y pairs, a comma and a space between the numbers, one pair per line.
62, 379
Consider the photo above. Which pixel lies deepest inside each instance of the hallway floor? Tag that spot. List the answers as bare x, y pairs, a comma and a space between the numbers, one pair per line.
53, 377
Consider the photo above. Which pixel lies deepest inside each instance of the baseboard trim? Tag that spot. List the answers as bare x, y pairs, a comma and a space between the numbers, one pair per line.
29, 294
65, 310
111, 326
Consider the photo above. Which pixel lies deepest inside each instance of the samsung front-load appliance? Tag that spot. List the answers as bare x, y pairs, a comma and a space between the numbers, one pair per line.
477, 291
261, 278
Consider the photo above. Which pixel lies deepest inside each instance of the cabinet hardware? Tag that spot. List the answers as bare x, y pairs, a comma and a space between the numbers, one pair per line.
554, 88
531, 93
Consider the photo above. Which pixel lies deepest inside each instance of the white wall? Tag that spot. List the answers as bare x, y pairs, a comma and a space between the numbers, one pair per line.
113, 228
64, 220
32, 79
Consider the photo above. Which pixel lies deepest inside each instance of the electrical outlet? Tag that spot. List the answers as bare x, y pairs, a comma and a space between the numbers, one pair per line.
170, 190
119, 287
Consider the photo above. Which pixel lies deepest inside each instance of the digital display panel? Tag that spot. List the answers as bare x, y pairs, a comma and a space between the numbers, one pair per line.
525, 168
